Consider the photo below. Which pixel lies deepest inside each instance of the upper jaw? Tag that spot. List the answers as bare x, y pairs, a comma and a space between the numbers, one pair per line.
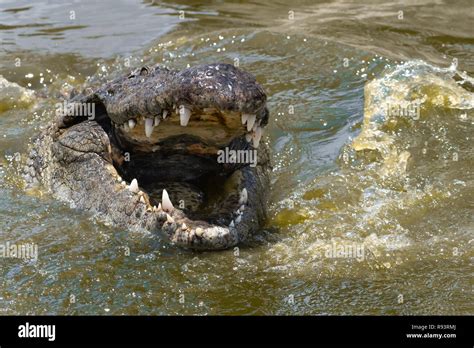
159, 92
215, 129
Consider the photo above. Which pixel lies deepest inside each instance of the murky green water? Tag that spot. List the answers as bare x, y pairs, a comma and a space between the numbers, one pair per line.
396, 193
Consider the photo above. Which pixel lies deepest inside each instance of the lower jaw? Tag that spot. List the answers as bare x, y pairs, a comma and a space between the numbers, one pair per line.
200, 197
221, 219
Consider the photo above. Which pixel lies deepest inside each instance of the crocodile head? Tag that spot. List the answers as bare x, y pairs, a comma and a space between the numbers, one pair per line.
177, 152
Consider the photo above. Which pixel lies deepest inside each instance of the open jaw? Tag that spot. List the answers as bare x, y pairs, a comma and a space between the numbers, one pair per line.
187, 153
174, 160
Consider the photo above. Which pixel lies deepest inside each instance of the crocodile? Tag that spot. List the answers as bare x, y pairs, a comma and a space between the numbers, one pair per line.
164, 151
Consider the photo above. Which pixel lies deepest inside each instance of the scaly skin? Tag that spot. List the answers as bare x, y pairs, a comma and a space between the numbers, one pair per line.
73, 158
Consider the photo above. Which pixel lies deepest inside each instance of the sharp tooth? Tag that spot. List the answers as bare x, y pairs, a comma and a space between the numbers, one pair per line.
257, 135
184, 115
169, 219
166, 202
242, 208
149, 127
157, 121
142, 199
183, 226
245, 117
131, 123
232, 224
159, 206
238, 219
165, 114
243, 196
133, 186
248, 137
251, 121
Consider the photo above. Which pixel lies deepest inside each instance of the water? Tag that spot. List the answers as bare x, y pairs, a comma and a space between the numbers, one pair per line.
395, 192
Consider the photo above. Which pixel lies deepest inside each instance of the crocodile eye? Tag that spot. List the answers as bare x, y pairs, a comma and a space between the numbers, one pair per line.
144, 71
